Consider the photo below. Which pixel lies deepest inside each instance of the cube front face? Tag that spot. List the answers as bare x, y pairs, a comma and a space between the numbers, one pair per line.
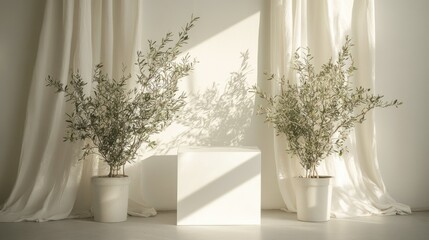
218, 186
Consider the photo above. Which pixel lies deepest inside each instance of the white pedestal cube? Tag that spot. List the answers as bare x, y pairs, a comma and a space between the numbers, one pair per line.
219, 186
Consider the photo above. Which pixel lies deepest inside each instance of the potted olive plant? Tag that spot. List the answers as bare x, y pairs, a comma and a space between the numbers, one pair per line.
316, 114
114, 120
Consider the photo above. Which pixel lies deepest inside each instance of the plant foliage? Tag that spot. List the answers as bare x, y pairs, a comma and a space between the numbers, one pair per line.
117, 120
317, 114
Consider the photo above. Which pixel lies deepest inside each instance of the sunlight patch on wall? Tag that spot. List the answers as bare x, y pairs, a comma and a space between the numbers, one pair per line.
218, 56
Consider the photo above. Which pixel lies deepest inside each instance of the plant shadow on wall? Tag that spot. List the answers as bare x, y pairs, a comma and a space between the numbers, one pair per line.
216, 117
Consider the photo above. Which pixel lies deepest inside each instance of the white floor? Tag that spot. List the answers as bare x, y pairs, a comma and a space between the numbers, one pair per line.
275, 225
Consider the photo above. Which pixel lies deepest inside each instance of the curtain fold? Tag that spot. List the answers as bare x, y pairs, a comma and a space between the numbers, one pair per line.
322, 26
76, 35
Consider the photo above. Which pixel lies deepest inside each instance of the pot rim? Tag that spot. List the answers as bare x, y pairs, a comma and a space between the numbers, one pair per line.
321, 181
104, 180
320, 177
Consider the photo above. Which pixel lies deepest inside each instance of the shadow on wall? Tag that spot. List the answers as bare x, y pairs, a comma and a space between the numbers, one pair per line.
153, 182
215, 117
216, 16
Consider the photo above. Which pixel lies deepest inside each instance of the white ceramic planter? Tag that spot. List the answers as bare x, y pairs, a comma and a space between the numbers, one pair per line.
313, 198
110, 198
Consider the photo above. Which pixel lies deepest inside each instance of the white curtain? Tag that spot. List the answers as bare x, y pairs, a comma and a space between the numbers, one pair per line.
76, 34
322, 26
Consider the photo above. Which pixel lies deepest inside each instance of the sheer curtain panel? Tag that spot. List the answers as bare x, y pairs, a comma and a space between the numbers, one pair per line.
322, 26
76, 35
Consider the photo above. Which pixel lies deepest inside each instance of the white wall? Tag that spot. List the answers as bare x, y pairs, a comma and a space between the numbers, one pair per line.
402, 71
227, 28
